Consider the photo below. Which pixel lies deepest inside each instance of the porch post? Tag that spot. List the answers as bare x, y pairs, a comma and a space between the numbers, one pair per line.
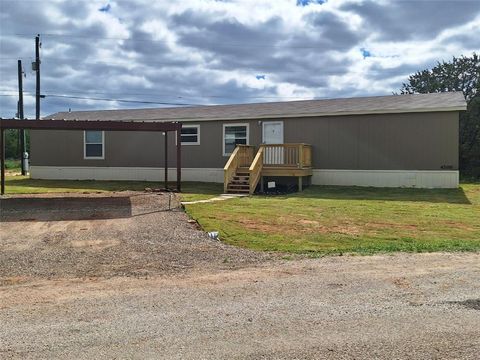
2, 160
179, 156
300, 181
166, 160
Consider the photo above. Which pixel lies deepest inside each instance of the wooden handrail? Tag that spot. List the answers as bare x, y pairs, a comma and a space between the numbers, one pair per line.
231, 159
230, 168
256, 169
286, 144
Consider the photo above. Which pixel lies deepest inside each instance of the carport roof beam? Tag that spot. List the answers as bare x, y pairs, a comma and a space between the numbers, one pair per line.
108, 125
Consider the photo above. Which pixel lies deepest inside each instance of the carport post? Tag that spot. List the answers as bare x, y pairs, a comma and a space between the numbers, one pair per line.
166, 159
179, 156
2, 159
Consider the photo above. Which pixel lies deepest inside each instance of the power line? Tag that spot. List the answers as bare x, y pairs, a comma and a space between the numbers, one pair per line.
120, 100
109, 99
232, 44
178, 95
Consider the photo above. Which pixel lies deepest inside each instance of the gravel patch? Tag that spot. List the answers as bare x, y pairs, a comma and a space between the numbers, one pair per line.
99, 235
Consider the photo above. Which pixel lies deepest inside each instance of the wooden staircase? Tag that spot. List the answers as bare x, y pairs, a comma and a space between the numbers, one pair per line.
245, 167
240, 182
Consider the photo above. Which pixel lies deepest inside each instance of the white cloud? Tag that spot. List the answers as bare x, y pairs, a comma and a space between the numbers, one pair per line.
211, 51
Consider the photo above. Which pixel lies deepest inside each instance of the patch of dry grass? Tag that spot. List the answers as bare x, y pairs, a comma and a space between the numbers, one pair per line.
191, 191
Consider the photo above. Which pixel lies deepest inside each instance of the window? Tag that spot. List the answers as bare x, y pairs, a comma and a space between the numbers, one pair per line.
233, 135
94, 144
190, 135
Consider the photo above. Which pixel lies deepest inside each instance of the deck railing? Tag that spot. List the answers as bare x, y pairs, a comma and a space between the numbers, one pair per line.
287, 155
242, 156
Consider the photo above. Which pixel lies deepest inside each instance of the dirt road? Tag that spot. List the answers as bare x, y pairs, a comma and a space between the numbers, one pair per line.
402, 306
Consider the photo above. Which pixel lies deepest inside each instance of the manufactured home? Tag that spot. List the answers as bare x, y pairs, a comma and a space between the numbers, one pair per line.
382, 141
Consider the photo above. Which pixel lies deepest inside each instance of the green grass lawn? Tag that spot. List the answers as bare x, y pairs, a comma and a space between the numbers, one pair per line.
191, 191
327, 219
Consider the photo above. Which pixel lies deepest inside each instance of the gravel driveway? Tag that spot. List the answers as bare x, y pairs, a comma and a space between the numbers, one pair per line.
173, 293
105, 235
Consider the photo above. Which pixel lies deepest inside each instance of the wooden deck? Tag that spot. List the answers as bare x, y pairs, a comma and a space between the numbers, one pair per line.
245, 168
286, 171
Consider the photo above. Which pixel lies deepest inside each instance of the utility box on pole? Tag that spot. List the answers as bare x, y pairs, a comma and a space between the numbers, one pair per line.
26, 164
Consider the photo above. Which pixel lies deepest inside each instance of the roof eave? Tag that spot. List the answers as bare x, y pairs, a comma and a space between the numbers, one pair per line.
340, 113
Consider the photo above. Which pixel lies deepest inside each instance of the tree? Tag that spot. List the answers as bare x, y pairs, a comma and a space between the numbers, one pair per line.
12, 143
460, 74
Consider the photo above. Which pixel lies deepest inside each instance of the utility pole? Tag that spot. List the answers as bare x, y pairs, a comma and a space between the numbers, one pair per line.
20, 115
37, 69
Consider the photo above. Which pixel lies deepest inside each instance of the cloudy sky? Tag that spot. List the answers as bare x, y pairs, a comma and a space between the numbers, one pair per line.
218, 52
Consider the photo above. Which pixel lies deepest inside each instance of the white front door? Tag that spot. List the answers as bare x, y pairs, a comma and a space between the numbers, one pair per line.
272, 133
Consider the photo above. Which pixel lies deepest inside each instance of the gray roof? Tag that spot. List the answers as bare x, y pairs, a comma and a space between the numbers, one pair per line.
449, 101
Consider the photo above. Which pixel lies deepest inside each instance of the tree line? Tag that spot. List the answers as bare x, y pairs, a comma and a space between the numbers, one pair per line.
459, 74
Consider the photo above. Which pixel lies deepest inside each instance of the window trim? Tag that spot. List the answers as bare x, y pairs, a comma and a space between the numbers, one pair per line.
198, 134
247, 125
85, 157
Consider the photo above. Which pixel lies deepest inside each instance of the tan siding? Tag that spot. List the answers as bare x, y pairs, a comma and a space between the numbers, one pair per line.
413, 141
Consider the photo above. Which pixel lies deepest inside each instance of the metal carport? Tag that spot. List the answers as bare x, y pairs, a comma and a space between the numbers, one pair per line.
99, 125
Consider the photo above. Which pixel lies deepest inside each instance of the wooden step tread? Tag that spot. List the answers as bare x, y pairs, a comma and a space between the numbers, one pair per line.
241, 186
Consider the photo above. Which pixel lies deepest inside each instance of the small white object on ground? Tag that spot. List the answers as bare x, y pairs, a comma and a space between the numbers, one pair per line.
213, 235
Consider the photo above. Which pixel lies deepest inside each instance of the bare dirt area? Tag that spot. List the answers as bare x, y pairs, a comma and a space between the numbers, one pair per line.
120, 276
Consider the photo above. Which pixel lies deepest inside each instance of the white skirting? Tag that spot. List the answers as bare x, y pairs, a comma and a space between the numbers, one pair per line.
387, 178
376, 178
124, 173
